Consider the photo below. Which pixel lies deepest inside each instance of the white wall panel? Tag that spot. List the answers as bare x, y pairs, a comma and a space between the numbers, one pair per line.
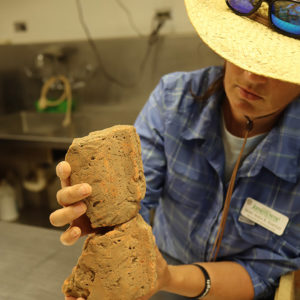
57, 20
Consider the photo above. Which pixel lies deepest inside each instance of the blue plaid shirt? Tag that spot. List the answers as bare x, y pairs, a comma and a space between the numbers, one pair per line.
184, 160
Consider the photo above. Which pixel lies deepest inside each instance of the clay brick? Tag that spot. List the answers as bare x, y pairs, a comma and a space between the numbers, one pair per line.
117, 265
110, 161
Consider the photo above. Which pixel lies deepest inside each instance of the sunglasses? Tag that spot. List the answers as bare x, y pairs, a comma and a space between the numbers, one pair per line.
284, 15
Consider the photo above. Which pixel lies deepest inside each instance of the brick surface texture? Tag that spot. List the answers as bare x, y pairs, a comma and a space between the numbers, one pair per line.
118, 261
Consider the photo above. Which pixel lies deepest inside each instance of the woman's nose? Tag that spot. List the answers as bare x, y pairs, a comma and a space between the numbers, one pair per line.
254, 77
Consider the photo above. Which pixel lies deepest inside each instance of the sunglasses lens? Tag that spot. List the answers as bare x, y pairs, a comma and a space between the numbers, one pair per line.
243, 6
285, 15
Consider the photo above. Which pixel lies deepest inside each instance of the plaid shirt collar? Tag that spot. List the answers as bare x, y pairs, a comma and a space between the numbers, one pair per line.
284, 145
279, 152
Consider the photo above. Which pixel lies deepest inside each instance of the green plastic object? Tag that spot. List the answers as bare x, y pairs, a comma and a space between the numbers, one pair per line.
61, 108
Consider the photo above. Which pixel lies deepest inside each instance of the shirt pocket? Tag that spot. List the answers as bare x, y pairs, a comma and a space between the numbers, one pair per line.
254, 242
253, 234
245, 236
257, 233
190, 186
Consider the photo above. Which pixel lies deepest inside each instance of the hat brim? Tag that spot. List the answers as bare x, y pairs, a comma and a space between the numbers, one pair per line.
244, 42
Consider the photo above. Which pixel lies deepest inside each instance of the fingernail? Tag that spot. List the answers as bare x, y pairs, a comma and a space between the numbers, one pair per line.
79, 208
75, 232
84, 189
59, 170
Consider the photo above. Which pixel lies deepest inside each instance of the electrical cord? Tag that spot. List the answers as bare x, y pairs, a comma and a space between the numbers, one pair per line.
93, 45
152, 39
129, 17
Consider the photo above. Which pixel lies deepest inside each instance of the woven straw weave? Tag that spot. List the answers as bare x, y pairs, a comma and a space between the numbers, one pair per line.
244, 42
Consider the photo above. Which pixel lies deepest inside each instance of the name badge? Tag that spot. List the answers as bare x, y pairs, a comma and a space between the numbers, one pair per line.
264, 216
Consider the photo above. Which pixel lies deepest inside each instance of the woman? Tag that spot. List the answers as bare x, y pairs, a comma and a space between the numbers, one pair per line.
221, 147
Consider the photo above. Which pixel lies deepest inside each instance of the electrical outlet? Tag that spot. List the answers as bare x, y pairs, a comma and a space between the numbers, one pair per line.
164, 14
20, 26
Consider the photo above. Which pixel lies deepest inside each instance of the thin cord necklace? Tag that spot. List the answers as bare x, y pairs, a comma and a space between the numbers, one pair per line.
219, 237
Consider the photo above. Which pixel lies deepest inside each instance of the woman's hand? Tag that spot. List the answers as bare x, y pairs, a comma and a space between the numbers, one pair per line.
73, 208
73, 212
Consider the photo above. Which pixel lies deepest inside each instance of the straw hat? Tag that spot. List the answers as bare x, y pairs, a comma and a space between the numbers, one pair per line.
244, 42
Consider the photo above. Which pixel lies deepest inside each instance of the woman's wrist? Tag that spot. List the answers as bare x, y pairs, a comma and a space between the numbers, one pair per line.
185, 280
207, 282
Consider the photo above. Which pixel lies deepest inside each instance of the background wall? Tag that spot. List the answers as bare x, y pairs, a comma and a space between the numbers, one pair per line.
111, 60
128, 72
109, 49
58, 20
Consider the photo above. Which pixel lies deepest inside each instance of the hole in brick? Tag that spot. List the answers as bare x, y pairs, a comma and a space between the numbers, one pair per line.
104, 230
93, 158
96, 203
92, 275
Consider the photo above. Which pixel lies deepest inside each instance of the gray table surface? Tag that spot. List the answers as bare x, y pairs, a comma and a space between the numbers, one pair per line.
33, 262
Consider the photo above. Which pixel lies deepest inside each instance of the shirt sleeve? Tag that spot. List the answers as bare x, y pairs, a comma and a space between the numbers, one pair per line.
265, 268
150, 128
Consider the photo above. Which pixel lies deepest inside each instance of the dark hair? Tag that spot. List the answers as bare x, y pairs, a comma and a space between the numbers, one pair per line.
214, 87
